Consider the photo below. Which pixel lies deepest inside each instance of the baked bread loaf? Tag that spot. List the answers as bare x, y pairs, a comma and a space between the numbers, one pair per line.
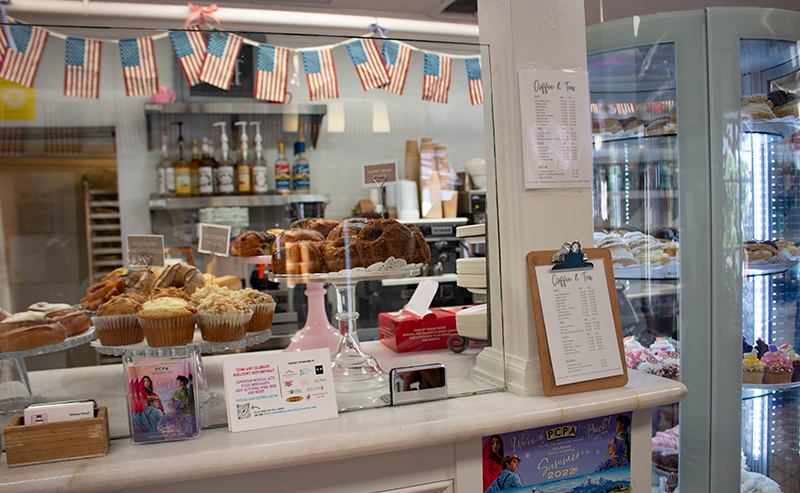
252, 244
25, 338
318, 224
759, 251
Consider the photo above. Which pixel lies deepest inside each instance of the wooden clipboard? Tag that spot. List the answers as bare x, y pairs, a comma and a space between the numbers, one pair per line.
548, 379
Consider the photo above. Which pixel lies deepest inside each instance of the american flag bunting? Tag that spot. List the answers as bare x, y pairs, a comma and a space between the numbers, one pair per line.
20, 65
475, 80
220, 62
82, 68
190, 48
368, 62
138, 66
397, 58
320, 74
436, 82
272, 71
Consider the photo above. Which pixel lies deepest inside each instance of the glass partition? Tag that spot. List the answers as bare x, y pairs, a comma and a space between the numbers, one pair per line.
384, 130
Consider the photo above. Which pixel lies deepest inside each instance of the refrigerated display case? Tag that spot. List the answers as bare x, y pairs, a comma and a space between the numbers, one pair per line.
727, 177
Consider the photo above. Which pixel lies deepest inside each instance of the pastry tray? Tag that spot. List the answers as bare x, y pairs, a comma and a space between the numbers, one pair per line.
391, 268
73, 341
142, 350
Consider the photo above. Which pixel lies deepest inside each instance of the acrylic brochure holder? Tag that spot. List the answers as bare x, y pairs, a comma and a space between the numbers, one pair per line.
577, 320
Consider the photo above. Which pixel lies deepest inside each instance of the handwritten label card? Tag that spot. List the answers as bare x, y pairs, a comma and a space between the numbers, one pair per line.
263, 389
214, 239
579, 323
556, 127
379, 172
145, 250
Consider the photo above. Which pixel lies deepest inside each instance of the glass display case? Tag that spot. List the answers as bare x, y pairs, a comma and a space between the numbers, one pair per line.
724, 186
342, 131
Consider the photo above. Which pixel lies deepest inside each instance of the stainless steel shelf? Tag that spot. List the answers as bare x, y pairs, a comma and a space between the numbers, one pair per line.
172, 203
253, 108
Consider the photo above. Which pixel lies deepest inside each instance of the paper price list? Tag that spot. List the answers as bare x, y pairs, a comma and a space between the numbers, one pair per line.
579, 323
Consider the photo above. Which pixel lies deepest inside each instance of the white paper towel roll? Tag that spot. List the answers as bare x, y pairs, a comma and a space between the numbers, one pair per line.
407, 200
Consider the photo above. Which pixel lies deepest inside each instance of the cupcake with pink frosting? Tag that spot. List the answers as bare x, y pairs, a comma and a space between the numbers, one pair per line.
633, 352
778, 366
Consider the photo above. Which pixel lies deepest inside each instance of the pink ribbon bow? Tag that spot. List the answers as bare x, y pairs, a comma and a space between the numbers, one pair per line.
200, 14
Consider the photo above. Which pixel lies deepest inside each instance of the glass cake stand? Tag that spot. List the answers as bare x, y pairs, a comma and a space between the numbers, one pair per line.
353, 369
15, 389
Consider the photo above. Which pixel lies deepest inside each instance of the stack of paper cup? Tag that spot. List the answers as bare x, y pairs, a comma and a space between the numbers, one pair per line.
429, 185
412, 161
407, 200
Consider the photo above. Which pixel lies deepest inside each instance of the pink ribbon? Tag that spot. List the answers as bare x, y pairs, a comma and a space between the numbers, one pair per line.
201, 14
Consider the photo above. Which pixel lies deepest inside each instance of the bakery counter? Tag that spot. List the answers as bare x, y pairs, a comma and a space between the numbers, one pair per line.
434, 443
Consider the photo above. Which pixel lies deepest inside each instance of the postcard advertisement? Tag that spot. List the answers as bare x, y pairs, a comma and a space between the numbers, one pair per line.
161, 399
274, 389
589, 456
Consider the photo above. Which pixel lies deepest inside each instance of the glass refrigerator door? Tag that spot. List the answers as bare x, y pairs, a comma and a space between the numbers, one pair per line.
755, 166
647, 80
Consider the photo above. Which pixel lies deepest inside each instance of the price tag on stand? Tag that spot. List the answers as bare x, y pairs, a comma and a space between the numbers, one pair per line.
145, 250
214, 239
379, 172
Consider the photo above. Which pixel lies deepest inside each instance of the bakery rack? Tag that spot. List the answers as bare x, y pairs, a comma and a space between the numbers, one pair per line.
103, 231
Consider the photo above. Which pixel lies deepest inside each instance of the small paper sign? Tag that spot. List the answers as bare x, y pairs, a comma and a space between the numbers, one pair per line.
145, 250
377, 173
264, 390
214, 239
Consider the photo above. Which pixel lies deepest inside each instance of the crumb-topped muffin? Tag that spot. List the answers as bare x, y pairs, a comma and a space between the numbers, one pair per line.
209, 289
222, 318
263, 306
167, 322
116, 323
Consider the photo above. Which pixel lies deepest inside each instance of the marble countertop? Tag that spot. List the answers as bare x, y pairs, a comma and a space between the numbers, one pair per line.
351, 434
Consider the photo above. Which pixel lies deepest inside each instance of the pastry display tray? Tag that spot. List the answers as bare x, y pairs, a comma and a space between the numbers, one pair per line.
142, 350
70, 342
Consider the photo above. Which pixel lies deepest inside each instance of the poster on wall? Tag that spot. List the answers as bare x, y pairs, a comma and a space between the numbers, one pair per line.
589, 456
16, 102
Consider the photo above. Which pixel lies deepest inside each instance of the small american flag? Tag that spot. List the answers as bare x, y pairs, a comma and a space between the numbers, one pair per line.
368, 63
321, 74
20, 65
190, 48
138, 66
223, 51
82, 68
475, 81
272, 70
436, 83
397, 58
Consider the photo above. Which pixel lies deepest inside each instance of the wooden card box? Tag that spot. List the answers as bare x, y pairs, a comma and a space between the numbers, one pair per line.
51, 442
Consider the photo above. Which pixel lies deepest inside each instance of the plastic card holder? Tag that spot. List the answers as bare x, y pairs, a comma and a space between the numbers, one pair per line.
162, 401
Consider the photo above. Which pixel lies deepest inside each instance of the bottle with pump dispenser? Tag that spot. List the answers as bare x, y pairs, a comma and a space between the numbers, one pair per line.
206, 170
260, 182
283, 171
194, 169
301, 176
243, 163
183, 185
226, 184
166, 175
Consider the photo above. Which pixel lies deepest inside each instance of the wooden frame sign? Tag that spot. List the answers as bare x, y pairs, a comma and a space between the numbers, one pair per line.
578, 328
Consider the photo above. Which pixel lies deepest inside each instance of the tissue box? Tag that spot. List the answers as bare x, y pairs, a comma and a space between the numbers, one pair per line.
405, 331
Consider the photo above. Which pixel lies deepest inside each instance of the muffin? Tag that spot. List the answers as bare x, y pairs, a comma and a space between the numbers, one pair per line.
263, 307
170, 292
222, 318
777, 366
209, 289
167, 322
115, 321
752, 368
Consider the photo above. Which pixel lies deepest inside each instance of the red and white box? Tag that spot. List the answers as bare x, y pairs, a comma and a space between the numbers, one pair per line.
405, 331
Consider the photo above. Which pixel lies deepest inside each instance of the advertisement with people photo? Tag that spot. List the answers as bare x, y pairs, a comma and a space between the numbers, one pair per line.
589, 456
161, 399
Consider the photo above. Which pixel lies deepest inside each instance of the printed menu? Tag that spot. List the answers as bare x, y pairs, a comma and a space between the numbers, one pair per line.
579, 323
555, 129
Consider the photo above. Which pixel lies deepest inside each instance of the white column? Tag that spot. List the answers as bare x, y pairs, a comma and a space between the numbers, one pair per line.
539, 35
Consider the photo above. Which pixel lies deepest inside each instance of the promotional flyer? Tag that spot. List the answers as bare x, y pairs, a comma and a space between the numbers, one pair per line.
590, 456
